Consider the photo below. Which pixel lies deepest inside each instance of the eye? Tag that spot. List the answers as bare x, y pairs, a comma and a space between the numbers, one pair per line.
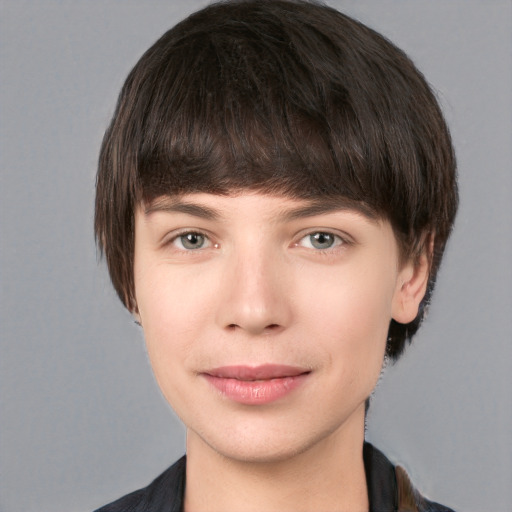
191, 241
320, 240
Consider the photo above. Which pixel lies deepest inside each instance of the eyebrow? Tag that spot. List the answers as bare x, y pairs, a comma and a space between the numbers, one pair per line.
177, 206
322, 206
313, 208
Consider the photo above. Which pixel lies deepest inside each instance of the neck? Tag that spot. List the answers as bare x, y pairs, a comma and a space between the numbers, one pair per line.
329, 476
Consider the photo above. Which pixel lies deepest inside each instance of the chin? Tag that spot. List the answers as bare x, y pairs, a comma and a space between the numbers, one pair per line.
260, 453
266, 446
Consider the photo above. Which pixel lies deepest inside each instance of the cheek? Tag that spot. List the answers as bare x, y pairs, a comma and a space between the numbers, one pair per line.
177, 308
354, 302
168, 332
163, 308
170, 299
349, 318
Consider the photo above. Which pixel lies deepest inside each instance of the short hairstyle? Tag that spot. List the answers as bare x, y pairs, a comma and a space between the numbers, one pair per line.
284, 97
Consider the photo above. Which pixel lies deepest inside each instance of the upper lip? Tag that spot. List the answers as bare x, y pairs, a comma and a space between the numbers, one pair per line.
261, 372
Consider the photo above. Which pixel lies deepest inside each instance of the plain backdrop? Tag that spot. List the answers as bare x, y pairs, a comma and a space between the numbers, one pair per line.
82, 420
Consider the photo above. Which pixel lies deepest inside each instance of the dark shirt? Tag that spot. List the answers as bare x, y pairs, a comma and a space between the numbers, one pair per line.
389, 490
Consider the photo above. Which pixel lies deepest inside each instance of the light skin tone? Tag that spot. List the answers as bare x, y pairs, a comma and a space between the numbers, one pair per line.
266, 319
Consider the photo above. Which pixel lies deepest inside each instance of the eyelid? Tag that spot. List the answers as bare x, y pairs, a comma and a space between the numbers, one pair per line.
344, 238
171, 237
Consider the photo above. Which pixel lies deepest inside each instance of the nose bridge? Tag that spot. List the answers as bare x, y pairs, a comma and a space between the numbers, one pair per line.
255, 299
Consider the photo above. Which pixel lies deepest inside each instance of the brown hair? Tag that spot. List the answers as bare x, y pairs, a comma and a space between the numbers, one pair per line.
278, 96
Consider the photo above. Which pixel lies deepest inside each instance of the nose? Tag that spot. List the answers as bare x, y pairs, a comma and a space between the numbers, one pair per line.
255, 297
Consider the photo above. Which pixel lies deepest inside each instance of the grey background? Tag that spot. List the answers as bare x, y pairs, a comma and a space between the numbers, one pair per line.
81, 419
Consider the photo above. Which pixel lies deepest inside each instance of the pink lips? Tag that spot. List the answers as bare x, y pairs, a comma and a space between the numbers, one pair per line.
256, 385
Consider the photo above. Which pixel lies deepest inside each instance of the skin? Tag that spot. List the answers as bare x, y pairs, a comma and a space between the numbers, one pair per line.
262, 280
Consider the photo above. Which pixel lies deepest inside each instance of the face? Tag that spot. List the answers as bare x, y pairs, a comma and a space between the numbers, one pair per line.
266, 317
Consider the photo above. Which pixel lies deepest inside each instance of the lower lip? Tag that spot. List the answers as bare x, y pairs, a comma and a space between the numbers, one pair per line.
256, 392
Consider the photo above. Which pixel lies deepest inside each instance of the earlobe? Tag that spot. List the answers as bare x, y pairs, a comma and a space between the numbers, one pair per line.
410, 289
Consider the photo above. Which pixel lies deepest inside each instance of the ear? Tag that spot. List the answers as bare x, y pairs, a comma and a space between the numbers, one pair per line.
411, 286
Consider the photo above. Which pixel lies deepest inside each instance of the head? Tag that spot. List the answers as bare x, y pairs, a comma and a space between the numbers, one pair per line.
284, 98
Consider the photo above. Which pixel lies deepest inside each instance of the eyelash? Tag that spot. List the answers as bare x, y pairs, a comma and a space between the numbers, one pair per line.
339, 241
184, 233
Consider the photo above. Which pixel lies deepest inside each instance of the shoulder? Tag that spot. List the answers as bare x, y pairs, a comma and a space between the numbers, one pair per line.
165, 493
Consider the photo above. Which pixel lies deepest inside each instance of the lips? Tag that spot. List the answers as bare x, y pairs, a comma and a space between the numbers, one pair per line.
253, 385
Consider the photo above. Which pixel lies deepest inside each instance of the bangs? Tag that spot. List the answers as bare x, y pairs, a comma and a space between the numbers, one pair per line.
225, 119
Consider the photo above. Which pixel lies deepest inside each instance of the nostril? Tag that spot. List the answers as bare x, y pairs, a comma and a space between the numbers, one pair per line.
269, 328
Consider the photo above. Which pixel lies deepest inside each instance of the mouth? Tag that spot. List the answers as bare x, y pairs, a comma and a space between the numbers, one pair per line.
255, 385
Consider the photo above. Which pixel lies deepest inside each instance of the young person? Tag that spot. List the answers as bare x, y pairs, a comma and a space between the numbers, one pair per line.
274, 196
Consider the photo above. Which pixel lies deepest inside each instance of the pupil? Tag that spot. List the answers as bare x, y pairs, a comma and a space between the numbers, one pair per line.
321, 240
192, 240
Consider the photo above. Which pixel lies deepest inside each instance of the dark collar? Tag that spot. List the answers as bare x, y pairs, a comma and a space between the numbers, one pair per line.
380, 480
